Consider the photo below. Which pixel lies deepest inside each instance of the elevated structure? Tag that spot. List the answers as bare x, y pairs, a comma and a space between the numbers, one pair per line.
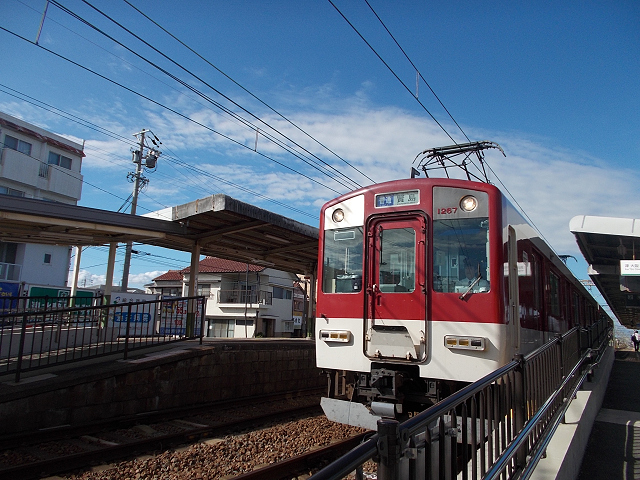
609, 246
218, 226
228, 228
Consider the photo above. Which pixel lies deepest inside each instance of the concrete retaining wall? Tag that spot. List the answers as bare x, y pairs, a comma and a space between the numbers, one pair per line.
184, 375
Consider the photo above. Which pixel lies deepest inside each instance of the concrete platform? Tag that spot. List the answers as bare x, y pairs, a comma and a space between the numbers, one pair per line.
613, 450
166, 377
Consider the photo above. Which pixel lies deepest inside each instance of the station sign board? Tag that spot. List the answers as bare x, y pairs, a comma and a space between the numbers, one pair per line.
629, 267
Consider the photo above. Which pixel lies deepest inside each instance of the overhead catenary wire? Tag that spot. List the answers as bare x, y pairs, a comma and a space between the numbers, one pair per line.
202, 95
391, 70
417, 71
247, 91
415, 97
177, 161
160, 104
441, 103
164, 107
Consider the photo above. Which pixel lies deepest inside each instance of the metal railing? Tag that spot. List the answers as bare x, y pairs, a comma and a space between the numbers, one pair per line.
37, 334
497, 427
245, 296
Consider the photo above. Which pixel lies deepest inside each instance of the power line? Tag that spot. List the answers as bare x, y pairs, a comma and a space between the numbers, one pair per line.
436, 96
202, 95
246, 90
391, 70
417, 71
176, 113
179, 162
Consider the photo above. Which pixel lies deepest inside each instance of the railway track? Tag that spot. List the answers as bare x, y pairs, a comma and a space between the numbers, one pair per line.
301, 464
74, 449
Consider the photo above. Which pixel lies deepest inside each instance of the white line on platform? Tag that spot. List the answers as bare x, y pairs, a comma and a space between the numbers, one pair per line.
620, 417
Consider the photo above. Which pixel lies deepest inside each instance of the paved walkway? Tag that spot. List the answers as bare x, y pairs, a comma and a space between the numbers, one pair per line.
613, 449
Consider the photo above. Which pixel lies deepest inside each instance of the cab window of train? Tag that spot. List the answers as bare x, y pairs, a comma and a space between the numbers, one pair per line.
461, 255
342, 260
397, 260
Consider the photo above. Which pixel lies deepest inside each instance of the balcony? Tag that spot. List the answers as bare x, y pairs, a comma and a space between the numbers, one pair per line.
24, 169
239, 298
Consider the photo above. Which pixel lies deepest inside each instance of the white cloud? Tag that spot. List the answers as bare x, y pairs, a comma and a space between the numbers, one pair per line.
87, 279
140, 279
551, 184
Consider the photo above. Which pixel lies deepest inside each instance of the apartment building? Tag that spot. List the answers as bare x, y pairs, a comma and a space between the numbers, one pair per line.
35, 163
243, 300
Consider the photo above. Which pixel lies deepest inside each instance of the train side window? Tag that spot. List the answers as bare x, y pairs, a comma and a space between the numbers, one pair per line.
554, 294
342, 260
460, 250
576, 309
537, 292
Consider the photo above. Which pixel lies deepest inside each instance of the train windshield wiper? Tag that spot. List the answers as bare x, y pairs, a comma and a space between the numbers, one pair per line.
468, 290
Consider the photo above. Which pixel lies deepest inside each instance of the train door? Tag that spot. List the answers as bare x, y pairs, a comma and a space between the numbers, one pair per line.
513, 310
396, 287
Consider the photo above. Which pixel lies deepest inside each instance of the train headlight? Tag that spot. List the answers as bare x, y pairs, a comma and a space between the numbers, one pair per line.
464, 342
338, 215
469, 203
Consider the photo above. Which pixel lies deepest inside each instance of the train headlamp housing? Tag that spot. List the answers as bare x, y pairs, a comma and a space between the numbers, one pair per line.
464, 342
339, 336
337, 215
469, 203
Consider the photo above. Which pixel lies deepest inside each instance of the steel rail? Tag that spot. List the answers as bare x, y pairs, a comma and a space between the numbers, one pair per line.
110, 452
292, 466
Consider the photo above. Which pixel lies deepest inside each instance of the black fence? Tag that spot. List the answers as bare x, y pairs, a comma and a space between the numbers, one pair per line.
498, 427
38, 332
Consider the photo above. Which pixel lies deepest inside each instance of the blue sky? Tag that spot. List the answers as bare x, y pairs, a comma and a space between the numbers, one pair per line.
554, 83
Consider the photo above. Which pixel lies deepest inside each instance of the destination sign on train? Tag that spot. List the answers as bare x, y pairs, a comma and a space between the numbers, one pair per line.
411, 197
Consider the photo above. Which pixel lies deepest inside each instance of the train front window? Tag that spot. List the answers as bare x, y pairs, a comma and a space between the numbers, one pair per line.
397, 260
461, 255
342, 260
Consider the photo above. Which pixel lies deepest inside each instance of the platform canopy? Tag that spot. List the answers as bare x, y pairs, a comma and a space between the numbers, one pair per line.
228, 228
220, 225
611, 246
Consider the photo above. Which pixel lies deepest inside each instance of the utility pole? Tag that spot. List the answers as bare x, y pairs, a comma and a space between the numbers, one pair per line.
139, 182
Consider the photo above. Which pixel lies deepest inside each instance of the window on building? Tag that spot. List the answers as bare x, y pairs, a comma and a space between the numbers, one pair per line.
47, 258
8, 252
60, 160
282, 293
221, 328
11, 191
204, 290
15, 144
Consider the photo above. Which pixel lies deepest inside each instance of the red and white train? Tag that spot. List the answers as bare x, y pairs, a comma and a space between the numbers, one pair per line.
425, 285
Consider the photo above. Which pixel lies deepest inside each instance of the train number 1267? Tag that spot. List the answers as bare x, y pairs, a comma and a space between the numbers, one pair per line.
447, 211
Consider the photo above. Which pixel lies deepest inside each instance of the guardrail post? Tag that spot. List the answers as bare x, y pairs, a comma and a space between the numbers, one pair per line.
389, 449
202, 316
23, 334
560, 353
519, 406
126, 337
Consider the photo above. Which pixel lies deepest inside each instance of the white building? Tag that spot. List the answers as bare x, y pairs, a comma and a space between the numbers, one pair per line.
35, 163
243, 301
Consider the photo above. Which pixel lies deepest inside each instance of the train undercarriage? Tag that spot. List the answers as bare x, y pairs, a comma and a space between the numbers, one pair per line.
360, 399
